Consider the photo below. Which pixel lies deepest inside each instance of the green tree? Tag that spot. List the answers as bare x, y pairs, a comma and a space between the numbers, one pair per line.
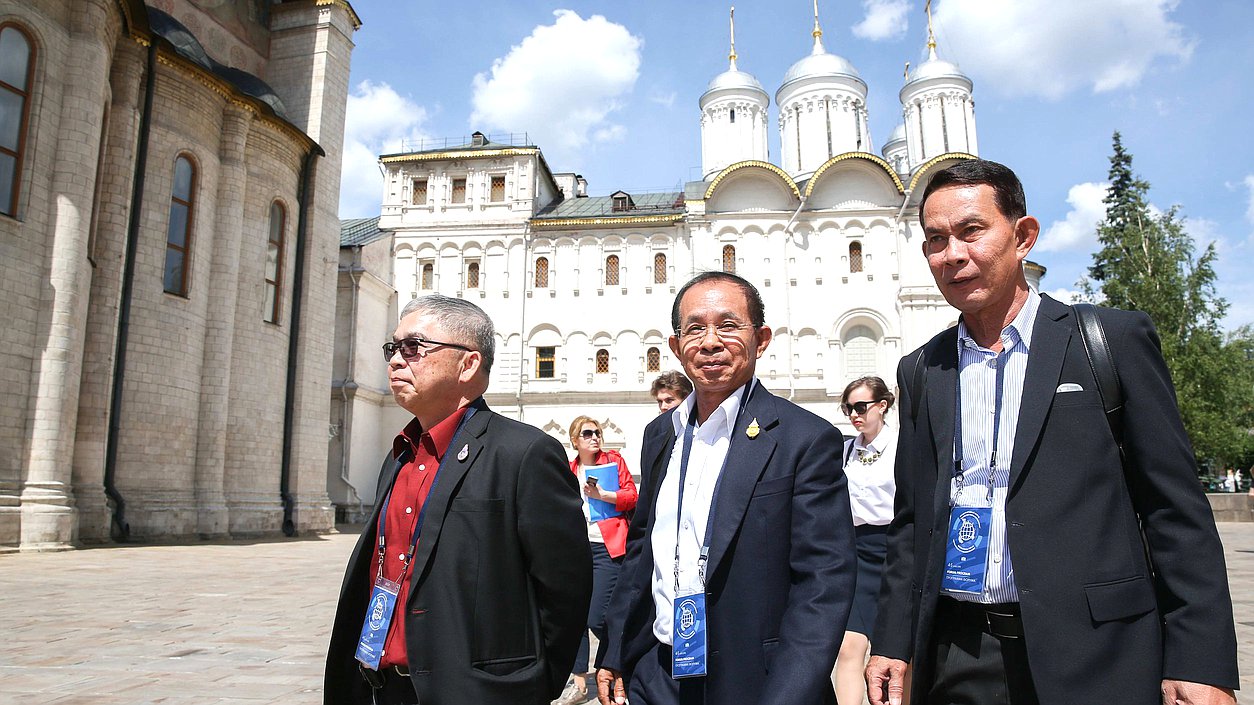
1240, 348
1147, 262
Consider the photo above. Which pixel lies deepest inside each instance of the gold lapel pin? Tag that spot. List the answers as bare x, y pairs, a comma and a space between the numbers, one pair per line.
752, 431
464, 452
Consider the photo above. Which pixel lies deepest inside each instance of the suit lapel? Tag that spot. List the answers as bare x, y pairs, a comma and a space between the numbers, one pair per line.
747, 458
369, 539
941, 384
654, 466
453, 467
1051, 335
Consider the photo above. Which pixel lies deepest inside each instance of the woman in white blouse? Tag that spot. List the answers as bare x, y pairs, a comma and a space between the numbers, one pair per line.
869, 470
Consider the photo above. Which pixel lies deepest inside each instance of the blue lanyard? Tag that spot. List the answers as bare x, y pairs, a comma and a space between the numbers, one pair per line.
718, 482
422, 513
1000, 360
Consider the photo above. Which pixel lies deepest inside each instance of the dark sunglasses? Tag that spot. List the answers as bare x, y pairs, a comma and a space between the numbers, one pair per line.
858, 406
416, 347
589, 433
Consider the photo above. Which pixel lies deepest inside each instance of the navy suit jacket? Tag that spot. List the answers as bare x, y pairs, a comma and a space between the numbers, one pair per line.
1101, 626
781, 569
502, 576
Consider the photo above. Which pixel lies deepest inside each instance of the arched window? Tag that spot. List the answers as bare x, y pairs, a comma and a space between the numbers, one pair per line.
274, 261
659, 268
546, 362
855, 257
611, 270
603, 361
178, 237
542, 272
653, 360
17, 73
472, 275
859, 352
729, 259
428, 275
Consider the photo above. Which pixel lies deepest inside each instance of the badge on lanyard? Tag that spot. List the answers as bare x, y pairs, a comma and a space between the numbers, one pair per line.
688, 650
374, 629
966, 553
688, 630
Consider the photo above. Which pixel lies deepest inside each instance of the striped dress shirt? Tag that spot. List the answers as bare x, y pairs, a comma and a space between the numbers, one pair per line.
977, 371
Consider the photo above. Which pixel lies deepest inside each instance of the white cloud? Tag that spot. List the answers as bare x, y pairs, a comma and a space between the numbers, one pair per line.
1065, 295
609, 133
1249, 207
1078, 230
561, 85
1204, 231
666, 100
885, 19
376, 121
1052, 47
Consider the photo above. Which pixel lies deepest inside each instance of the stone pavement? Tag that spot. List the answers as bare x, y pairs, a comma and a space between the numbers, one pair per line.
244, 623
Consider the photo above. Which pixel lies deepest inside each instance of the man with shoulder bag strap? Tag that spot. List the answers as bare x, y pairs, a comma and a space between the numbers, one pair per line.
1026, 517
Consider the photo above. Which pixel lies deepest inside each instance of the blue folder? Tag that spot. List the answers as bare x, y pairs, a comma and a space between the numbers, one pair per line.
607, 479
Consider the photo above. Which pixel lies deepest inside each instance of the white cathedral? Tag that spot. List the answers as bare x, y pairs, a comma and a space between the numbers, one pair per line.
580, 288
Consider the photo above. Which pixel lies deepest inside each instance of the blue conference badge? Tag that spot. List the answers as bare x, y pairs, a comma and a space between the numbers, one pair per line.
374, 629
688, 635
966, 554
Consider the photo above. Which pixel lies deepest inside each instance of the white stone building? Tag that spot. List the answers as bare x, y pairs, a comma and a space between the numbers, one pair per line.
170, 176
581, 288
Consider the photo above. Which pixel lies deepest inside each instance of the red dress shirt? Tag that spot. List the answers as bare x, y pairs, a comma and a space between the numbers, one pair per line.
409, 492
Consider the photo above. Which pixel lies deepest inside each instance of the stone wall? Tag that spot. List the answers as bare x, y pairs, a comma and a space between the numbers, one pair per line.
1231, 506
204, 386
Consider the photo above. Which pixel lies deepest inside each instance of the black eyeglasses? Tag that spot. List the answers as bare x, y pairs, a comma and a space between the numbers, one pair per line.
417, 346
858, 406
589, 433
726, 330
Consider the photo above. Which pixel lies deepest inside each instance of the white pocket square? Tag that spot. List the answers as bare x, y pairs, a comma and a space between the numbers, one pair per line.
1068, 387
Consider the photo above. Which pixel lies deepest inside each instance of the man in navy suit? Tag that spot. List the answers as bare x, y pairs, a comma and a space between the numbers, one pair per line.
1029, 560
740, 562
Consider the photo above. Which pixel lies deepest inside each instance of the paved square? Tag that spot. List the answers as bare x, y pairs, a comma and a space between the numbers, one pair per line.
238, 622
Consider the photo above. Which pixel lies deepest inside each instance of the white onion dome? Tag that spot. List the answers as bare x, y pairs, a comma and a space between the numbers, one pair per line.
936, 68
898, 136
820, 69
734, 80
820, 64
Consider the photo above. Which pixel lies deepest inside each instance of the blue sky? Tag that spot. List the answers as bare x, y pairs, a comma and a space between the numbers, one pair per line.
610, 90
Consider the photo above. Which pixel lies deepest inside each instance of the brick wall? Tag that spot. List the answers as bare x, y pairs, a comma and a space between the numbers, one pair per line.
204, 388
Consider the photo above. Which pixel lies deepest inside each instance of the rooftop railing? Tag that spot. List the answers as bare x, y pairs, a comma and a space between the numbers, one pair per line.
427, 144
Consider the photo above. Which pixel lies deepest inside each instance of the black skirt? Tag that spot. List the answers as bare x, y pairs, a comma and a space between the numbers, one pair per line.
872, 547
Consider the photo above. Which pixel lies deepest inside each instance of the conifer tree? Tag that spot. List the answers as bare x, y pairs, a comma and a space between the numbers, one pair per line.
1148, 262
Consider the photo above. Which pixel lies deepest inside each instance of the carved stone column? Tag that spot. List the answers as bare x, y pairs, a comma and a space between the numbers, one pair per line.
215, 376
48, 510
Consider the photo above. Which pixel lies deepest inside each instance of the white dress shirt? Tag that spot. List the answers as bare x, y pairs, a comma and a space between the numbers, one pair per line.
977, 370
711, 441
871, 484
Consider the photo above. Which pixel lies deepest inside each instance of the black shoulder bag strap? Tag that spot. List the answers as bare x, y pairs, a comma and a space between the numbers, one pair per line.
1097, 349
1109, 388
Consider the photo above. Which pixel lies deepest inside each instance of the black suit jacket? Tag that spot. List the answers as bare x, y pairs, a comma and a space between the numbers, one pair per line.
1100, 625
781, 569
502, 575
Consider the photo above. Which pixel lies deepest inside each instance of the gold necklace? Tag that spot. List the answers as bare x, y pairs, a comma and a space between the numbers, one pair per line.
868, 458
